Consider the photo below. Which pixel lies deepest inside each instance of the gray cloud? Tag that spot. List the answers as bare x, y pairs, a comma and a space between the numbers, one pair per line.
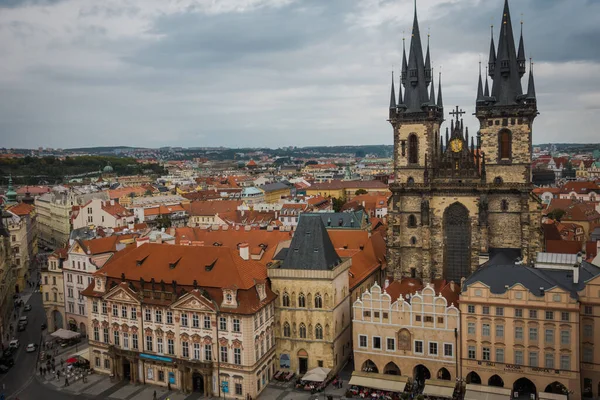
277, 72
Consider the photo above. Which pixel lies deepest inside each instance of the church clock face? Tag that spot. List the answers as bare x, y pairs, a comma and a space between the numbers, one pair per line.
456, 145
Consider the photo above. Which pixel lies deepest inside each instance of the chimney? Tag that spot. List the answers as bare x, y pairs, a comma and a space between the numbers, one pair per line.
158, 239
452, 286
576, 267
363, 203
244, 251
386, 284
112, 202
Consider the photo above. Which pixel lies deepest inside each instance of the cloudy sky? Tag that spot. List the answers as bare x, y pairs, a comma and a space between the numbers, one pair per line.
268, 72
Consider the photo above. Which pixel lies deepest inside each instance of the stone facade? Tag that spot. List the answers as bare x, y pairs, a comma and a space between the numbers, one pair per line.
52, 290
313, 317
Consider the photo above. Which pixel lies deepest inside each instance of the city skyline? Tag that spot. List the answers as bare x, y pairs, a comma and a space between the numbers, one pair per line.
267, 73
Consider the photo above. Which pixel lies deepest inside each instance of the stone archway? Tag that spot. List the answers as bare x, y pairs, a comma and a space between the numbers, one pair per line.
421, 373
82, 329
444, 374
525, 388
474, 378
556, 388
495, 380
457, 239
302, 361
391, 369
369, 366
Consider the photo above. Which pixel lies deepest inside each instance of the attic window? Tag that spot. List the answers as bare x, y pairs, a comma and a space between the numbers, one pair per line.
140, 261
210, 266
297, 249
217, 244
316, 250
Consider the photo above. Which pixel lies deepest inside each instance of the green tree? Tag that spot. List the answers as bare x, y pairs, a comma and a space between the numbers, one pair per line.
311, 162
163, 221
556, 214
360, 191
337, 204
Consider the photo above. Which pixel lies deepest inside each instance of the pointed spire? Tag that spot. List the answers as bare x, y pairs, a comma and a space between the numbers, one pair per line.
404, 63
440, 103
400, 97
447, 137
466, 135
472, 145
521, 60
442, 142
393, 95
479, 86
486, 91
531, 86
492, 58
428, 71
415, 89
432, 95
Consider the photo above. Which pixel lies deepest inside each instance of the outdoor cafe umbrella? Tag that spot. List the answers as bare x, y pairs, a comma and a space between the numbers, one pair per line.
318, 374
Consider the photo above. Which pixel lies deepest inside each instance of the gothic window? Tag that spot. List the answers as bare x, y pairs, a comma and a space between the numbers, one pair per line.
504, 146
410, 181
286, 330
413, 149
504, 205
318, 332
285, 299
301, 300
412, 221
318, 301
497, 181
413, 240
303, 331
457, 252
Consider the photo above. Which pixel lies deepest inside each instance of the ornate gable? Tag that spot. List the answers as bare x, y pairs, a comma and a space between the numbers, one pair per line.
121, 293
193, 301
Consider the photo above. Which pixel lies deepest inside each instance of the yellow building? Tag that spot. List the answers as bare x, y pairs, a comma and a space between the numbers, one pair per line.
522, 325
24, 241
274, 192
345, 190
54, 210
405, 329
8, 275
53, 289
313, 308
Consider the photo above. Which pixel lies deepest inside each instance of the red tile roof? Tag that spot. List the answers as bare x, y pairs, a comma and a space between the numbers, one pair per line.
21, 209
563, 246
580, 187
198, 208
163, 210
116, 210
106, 244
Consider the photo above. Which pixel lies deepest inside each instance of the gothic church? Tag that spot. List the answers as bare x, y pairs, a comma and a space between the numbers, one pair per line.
457, 198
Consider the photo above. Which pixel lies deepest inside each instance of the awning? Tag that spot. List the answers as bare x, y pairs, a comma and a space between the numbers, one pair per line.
82, 353
318, 374
65, 334
482, 392
552, 396
389, 383
439, 388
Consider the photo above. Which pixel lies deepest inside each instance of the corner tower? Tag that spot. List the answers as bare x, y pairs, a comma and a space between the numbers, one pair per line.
506, 114
417, 116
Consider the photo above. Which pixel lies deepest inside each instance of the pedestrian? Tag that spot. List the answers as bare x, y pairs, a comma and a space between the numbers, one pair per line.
66, 381
40, 370
154, 395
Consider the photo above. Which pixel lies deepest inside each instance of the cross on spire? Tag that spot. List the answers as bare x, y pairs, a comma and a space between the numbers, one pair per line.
457, 113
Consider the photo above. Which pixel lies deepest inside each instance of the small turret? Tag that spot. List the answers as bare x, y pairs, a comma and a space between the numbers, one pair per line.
531, 86
440, 103
400, 97
428, 70
404, 63
486, 91
521, 54
393, 96
492, 59
479, 86
432, 95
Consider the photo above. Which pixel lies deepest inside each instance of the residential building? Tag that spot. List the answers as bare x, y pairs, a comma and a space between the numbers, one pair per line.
207, 213
345, 190
583, 191
406, 329
522, 324
24, 241
85, 257
53, 289
192, 318
8, 275
374, 204
274, 192
313, 306
164, 216
578, 212
96, 212
290, 213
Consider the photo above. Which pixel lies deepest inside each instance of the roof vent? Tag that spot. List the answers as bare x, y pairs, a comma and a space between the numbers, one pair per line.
210, 266
140, 261
173, 264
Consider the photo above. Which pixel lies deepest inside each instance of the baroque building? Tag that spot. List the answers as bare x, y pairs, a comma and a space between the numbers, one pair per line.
456, 198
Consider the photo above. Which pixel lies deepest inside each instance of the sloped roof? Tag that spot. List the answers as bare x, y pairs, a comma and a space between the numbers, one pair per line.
21, 209
311, 247
196, 208
116, 210
339, 184
271, 187
106, 244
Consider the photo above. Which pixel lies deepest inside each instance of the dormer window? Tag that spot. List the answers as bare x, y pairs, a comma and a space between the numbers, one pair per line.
229, 298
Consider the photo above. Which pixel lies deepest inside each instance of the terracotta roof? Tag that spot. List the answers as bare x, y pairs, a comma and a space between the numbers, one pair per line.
231, 238
106, 244
574, 210
580, 187
337, 184
321, 166
21, 209
196, 208
61, 253
136, 227
116, 210
563, 246
215, 267
542, 190
163, 210
202, 195
126, 191
591, 250
408, 286
33, 190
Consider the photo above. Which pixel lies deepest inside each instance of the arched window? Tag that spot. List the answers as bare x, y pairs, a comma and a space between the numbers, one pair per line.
504, 145
285, 300
413, 240
410, 181
504, 205
498, 180
413, 149
286, 330
318, 301
318, 332
301, 300
303, 331
412, 221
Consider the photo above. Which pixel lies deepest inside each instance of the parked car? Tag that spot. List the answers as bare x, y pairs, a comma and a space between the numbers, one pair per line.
14, 344
27, 307
23, 320
3, 369
7, 360
31, 347
21, 327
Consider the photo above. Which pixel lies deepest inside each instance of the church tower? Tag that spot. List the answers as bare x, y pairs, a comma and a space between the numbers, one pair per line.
459, 197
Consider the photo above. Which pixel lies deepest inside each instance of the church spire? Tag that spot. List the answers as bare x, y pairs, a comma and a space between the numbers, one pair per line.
507, 88
486, 91
428, 71
400, 97
404, 63
492, 59
440, 103
531, 86
393, 96
479, 86
415, 89
521, 54
432, 95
